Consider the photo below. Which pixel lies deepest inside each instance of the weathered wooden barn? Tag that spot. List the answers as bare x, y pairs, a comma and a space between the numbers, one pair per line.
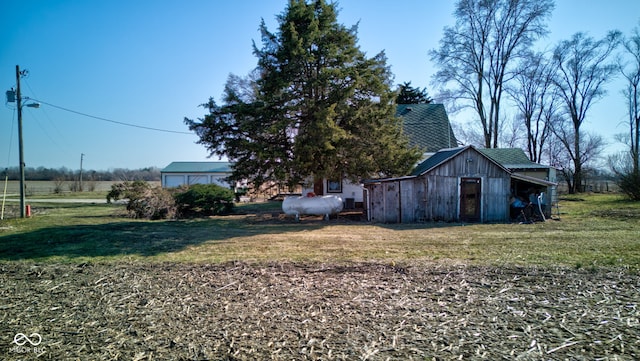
453, 185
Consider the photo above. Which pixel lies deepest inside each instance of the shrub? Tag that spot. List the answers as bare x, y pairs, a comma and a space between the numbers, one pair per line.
205, 199
58, 184
127, 190
629, 184
625, 168
144, 201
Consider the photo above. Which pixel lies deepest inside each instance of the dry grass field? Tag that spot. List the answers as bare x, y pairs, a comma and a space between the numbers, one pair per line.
37, 188
253, 286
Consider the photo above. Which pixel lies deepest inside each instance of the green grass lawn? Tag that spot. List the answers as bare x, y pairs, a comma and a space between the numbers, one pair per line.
593, 231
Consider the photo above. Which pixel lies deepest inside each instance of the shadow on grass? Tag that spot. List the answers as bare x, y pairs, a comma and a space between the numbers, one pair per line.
122, 238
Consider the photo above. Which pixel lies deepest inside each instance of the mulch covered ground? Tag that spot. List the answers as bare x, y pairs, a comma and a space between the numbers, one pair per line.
320, 311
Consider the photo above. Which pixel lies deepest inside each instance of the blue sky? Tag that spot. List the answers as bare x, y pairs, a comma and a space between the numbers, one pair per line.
151, 63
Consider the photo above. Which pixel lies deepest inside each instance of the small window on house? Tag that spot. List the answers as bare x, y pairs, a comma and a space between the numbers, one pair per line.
334, 186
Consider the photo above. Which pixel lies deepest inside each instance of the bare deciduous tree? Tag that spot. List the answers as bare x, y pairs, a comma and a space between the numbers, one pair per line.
468, 133
631, 73
626, 165
583, 68
511, 134
564, 158
533, 93
476, 54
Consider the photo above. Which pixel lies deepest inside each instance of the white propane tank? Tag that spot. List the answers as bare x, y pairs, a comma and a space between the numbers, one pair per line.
317, 206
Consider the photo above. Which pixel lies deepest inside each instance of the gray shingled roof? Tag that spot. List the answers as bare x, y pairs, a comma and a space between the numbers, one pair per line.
427, 126
506, 155
512, 158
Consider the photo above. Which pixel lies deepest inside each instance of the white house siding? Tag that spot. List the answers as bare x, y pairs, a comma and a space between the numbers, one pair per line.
349, 190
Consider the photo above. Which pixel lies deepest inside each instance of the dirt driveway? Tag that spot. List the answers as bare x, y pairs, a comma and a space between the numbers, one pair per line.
287, 311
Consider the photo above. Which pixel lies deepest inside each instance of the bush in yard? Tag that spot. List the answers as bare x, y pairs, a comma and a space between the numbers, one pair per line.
629, 184
625, 166
58, 184
205, 199
144, 201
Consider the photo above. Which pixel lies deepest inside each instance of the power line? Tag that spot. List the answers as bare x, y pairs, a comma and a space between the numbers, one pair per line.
44, 130
46, 114
110, 120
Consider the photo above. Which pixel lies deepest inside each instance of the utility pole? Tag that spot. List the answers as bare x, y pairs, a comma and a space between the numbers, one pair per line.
81, 158
19, 100
11, 97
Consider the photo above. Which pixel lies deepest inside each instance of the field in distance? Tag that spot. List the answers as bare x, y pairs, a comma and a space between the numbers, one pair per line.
38, 188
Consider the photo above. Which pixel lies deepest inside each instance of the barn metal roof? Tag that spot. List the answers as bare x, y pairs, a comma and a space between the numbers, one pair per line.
198, 167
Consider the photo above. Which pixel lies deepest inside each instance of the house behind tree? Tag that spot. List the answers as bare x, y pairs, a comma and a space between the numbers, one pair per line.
426, 125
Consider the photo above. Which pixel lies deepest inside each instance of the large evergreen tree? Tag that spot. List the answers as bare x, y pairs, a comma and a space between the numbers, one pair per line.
315, 106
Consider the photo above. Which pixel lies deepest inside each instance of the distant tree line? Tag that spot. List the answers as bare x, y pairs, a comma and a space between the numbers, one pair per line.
66, 174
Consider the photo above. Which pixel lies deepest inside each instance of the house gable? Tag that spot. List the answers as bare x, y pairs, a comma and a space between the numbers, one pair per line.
427, 126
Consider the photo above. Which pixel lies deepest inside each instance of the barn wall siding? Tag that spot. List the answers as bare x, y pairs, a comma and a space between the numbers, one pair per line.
391, 204
407, 201
377, 203
442, 198
495, 199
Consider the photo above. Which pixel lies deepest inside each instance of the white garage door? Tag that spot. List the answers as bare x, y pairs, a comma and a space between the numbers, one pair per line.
198, 179
171, 181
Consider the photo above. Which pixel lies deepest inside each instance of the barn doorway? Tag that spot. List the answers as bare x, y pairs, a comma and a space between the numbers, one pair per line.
470, 199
